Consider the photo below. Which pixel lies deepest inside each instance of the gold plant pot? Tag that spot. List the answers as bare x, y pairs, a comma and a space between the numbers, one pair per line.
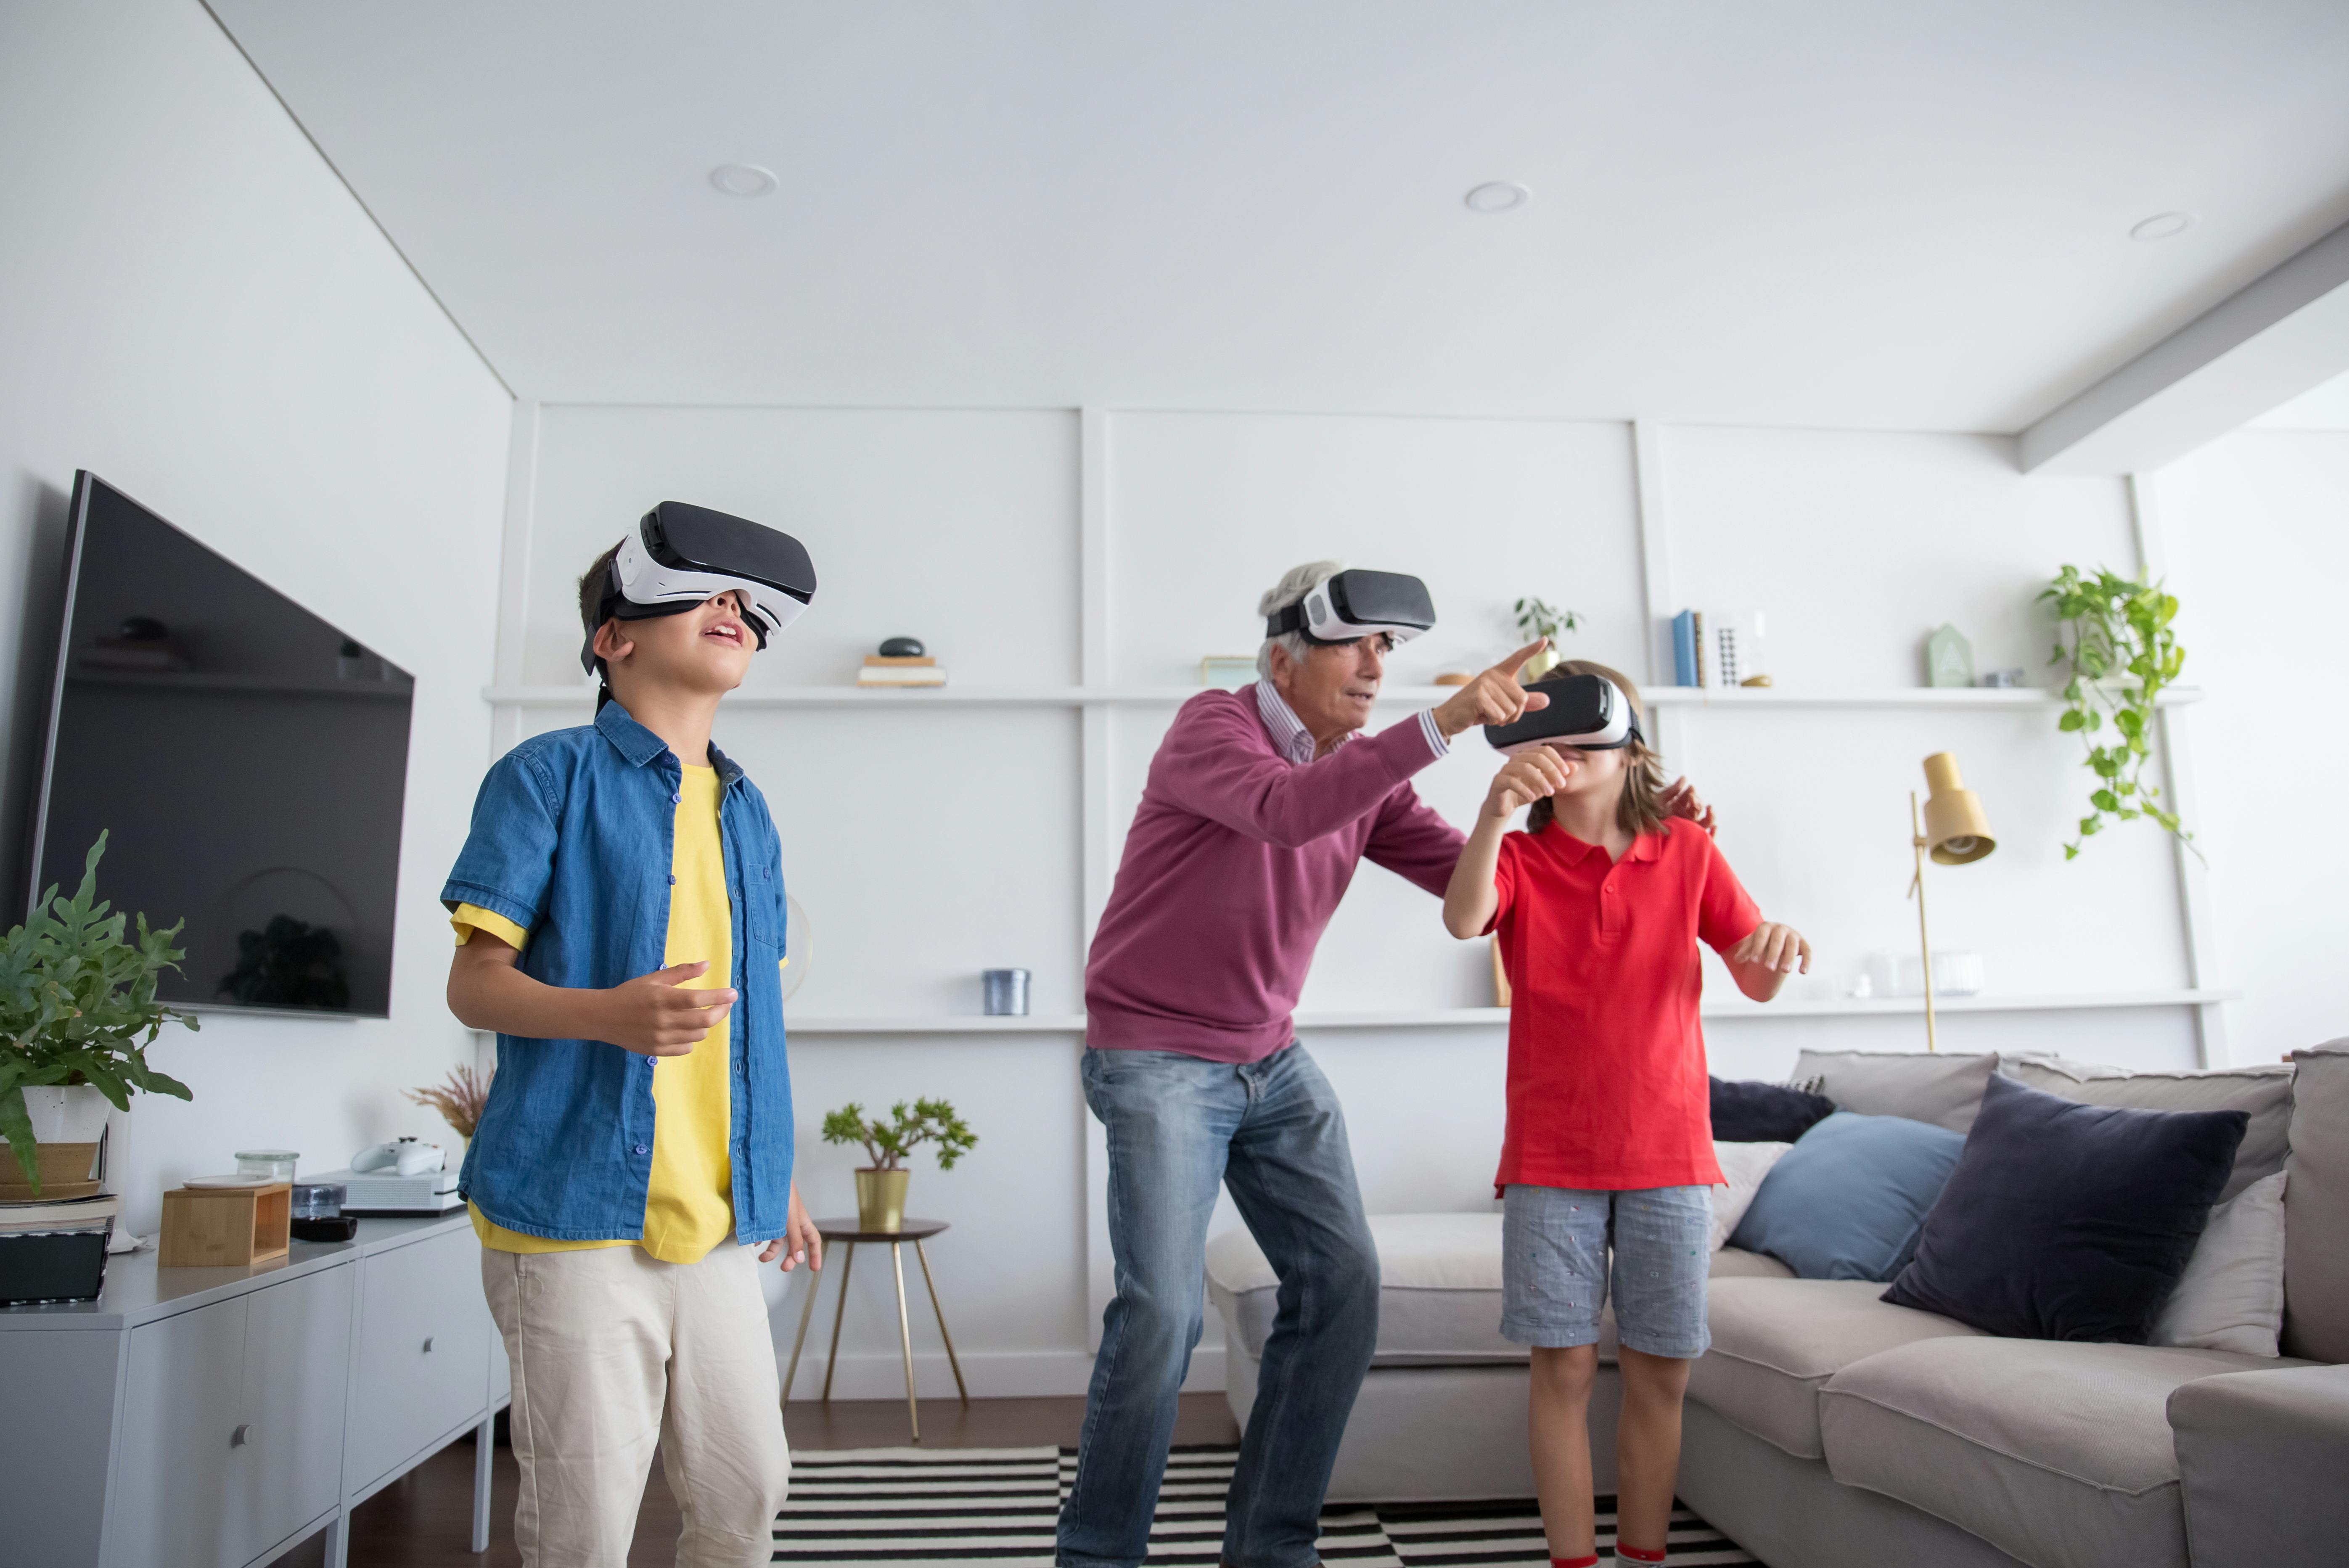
881, 1199
67, 1170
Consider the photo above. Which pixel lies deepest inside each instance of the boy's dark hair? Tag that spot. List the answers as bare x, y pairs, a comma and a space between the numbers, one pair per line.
1641, 808
592, 588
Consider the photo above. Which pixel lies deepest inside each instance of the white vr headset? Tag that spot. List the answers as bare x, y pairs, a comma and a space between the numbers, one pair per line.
679, 557
1587, 713
1346, 606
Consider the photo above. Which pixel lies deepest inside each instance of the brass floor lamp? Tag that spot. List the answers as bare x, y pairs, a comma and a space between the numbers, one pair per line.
1955, 832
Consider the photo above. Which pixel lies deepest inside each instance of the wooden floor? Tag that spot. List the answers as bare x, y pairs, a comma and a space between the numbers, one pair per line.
426, 1519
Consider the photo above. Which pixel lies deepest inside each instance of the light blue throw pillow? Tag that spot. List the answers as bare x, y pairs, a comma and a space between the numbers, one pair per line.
1847, 1200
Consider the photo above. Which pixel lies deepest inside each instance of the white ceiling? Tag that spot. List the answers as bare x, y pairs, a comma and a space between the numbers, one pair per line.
1835, 213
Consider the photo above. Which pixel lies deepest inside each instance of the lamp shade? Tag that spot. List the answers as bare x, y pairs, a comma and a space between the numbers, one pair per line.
1957, 833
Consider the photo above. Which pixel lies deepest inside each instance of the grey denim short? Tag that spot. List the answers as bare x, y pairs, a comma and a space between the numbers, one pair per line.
1554, 1273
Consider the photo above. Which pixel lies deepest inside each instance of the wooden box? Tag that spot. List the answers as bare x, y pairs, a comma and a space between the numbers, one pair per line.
213, 1227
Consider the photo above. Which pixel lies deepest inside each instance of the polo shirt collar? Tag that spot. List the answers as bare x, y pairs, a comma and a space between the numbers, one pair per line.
1289, 736
1573, 851
639, 745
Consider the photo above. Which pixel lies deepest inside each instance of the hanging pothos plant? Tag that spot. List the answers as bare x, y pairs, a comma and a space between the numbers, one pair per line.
2114, 632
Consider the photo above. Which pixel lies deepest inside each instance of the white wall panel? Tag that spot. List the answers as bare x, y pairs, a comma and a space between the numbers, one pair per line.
1208, 509
957, 528
2254, 527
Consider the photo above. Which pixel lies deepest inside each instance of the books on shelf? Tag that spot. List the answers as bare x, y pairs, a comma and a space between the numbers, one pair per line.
880, 670
1724, 648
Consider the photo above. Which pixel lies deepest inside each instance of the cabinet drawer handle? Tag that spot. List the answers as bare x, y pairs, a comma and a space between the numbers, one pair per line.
241, 1436
427, 1345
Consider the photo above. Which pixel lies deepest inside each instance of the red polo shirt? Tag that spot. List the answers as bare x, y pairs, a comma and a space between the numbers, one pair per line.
1607, 1071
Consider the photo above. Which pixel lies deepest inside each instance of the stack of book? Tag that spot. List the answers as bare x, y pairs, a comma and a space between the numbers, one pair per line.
54, 1249
1730, 651
881, 670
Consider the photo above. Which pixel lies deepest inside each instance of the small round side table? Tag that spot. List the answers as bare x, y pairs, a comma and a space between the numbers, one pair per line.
848, 1234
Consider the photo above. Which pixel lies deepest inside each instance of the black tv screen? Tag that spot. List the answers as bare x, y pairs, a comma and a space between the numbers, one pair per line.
246, 759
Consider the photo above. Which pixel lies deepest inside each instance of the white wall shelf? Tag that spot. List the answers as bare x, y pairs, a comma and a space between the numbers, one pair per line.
1473, 1017
1942, 698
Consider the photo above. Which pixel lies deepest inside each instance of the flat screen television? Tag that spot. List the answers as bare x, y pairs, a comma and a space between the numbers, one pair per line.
246, 759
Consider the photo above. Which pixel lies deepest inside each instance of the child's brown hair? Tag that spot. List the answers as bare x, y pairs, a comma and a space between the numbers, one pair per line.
1641, 808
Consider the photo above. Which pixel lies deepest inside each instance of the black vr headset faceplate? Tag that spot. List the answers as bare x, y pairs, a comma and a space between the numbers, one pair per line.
1587, 712
1351, 605
679, 557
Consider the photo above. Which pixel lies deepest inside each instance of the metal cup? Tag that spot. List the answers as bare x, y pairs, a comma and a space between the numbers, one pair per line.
1006, 993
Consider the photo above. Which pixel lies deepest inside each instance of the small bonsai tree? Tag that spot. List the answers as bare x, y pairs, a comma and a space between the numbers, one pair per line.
75, 1001
888, 1142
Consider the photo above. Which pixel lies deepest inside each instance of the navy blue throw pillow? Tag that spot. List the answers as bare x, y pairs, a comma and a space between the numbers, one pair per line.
1750, 1112
2065, 1220
1847, 1200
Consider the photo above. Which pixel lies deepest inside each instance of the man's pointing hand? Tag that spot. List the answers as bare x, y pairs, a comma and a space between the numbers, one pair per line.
1493, 698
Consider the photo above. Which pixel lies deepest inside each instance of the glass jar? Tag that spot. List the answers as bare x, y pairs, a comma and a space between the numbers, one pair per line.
278, 1164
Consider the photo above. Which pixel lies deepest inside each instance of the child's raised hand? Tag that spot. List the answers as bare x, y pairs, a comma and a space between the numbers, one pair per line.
1780, 948
1527, 777
656, 1014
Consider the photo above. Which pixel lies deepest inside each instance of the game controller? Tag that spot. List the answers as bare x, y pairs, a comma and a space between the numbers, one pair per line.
405, 1157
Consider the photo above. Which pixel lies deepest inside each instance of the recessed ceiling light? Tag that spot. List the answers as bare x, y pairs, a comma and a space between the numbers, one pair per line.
1497, 196
742, 178
2162, 226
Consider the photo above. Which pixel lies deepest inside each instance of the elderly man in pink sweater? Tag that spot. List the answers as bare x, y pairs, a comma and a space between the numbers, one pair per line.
1259, 805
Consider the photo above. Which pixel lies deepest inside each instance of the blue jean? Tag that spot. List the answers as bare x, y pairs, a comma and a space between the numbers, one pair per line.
1555, 1244
1271, 1132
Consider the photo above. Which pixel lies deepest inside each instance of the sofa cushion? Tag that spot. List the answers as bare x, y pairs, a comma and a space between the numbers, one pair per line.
1776, 1341
2067, 1221
2055, 1453
2261, 1093
1736, 1263
1935, 1087
1847, 1201
1745, 1111
2316, 1207
1439, 1290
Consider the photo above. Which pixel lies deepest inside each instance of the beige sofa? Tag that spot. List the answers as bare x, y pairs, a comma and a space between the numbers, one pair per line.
1826, 1428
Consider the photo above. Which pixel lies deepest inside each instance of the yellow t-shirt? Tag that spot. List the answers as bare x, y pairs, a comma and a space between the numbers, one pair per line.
690, 1199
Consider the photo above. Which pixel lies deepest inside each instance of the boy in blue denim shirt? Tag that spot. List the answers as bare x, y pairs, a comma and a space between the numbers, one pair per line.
619, 913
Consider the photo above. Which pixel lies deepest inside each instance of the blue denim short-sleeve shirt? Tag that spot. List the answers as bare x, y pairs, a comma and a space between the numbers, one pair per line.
573, 837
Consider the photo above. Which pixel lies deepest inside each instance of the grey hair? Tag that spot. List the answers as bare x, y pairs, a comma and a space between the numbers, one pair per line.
1280, 596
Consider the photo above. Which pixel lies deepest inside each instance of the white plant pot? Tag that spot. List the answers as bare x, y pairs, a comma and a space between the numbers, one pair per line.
63, 1113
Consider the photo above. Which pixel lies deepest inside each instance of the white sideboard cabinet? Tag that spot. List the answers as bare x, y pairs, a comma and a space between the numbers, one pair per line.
212, 1417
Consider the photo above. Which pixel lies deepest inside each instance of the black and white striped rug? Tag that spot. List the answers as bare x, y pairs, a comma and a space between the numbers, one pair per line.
877, 1506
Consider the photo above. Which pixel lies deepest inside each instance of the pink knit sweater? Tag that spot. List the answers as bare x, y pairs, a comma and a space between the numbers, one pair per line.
1236, 860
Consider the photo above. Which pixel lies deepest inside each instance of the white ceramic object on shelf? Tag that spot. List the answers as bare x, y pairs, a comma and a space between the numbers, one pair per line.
1954, 975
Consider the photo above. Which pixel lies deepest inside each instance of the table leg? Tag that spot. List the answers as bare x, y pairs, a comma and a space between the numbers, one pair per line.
906, 1339
335, 1549
485, 1448
832, 1360
960, 1386
807, 1315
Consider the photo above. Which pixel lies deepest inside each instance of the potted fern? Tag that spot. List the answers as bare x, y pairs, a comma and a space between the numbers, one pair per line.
78, 1012
881, 1186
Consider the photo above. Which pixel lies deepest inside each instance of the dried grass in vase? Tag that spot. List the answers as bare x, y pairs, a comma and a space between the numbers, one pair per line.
459, 1100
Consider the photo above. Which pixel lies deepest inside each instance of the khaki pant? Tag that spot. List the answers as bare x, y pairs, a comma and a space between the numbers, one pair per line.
615, 1353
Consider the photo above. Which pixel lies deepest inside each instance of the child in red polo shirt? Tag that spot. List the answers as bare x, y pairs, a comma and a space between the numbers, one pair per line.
1598, 907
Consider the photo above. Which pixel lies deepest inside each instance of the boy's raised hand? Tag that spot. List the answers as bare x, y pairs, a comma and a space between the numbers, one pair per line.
656, 1014
1527, 777
1772, 947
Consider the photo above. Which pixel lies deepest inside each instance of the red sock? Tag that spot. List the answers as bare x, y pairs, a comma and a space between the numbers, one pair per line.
1634, 1554
1589, 1561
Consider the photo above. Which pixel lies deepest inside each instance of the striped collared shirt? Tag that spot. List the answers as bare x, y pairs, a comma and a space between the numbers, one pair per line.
1296, 742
